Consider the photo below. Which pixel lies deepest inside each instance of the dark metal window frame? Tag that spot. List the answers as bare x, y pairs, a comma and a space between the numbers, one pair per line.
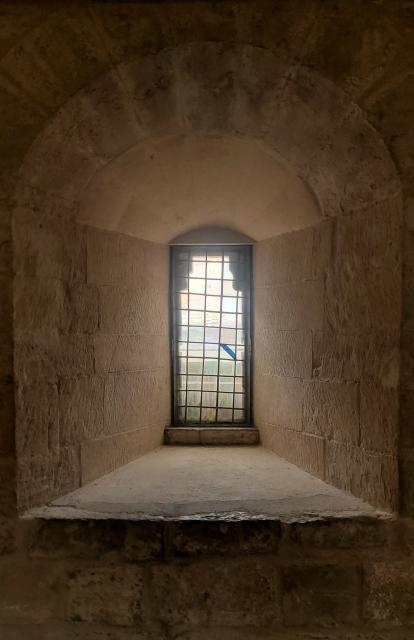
246, 250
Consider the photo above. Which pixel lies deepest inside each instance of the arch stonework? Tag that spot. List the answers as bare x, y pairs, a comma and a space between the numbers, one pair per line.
337, 305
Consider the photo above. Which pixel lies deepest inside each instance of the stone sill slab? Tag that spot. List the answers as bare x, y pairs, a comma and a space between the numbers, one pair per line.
230, 436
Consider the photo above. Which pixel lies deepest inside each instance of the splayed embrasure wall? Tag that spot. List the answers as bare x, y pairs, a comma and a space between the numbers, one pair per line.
327, 326
91, 350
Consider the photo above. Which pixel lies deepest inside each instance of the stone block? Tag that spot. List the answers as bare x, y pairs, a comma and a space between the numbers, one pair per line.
279, 401
372, 477
44, 304
81, 409
143, 312
130, 29
35, 481
230, 437
207, 74
6, 305
123, 261
283, 259
303, 449
58, 57
283, 353
112, 595
29, 592
339, 534
353, 357
50, 355
37, 419
291, 307
7, 417
321, 595
389, 593
379, 418
332, 410
136, 399
230, 593
76, 540
406, 430
48, 246
67, 471
106, 454
194, 539
121, 353
322, 248
143, 541
151, 82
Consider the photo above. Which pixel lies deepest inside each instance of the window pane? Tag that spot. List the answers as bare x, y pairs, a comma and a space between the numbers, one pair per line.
209, 312
197, 285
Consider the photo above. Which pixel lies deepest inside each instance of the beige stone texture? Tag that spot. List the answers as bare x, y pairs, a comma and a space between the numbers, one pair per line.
133, 311
123, 261
135, 399
279, 401
116, 353
303, 449
379, 418
109, 595
290, 307
106, 454
228, 604
37, 414
389, 592
322, 247
331, 410
81, 409
283, 353
322, 595
371, 476
283, 259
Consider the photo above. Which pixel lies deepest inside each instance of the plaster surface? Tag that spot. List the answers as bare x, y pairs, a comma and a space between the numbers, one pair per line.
207, 482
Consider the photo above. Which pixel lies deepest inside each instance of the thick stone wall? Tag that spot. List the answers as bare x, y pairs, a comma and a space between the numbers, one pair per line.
260, 580
326, 350
91, 349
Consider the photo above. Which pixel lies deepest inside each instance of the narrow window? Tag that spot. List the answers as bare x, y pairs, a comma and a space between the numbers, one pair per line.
210, 298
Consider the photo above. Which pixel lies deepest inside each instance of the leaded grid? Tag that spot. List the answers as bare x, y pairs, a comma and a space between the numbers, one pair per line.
211, 334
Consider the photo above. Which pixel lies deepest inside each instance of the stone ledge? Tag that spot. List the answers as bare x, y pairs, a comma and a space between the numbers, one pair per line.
211, 435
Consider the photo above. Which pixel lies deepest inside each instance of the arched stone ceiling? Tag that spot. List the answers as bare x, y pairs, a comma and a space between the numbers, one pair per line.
160, 189
207, 133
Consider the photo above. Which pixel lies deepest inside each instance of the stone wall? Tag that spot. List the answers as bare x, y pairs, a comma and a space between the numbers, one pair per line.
91, 349
260, 580
327, 326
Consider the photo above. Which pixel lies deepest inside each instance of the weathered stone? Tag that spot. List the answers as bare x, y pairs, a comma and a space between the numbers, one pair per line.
122, 261
35, 481
303, 449
110, 595
353, 357
406, 431
117, 353
322, 248
232, 593
143, 541
283, 353
279, 401
50, 355
407, 359
7, 536
106, 454
290, 307
48, 247
143, 312
372, 477
332, 410
37, 419
379, 418
86, 540
136, 400
321, 595
286, 258
351, 534
81, 409
389, 593
193, 539
28, 592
